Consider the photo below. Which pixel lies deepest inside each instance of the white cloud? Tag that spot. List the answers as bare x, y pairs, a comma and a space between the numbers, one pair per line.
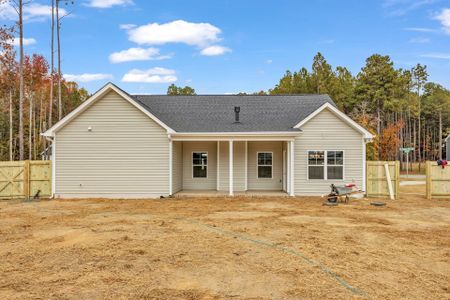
397, 8
108, 3
31, 12
86, 77
136, 54
420, 29
26, 41
437, 55
153, 75
327, 41
194, 34
269, 61
444, 18
35, 11
419, 40
7, 12
215, 50
127, 26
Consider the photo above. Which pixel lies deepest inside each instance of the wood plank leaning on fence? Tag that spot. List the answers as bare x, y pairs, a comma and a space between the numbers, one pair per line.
377, 178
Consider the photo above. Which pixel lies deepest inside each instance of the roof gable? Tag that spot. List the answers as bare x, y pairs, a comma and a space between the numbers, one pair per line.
338, 113
93, 99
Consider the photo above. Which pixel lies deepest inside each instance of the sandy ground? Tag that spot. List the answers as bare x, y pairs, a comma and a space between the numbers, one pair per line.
222, 248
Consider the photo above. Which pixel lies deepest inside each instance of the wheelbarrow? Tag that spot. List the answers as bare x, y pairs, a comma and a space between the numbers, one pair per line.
342, 193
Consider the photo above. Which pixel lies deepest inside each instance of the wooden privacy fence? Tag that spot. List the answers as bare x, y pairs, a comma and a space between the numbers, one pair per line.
376, 179
438, 181
24, 179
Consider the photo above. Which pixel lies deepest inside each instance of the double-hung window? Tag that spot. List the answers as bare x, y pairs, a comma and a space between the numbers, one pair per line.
200, 164
264, 164
335, 165
326, 165
316, 164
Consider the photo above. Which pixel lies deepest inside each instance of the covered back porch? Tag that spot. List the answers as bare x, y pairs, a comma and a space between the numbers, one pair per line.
238, 165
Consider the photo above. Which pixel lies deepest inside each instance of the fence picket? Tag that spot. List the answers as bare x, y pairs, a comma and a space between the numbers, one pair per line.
23, 179
377, 185
438, 181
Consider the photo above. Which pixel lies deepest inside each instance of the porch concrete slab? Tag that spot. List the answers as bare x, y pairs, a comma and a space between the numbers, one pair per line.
214, 193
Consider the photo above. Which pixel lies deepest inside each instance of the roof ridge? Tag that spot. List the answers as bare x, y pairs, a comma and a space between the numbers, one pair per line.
229, 95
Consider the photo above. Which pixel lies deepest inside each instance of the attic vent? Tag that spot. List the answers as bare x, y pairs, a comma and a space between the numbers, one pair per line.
237, 109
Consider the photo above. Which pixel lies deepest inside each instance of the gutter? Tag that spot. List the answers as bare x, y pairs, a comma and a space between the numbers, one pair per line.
239, 133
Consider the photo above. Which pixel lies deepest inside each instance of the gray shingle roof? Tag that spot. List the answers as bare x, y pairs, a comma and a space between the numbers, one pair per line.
215, 113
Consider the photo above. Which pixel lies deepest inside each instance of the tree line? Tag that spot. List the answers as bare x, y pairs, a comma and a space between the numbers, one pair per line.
30, 92
400, 106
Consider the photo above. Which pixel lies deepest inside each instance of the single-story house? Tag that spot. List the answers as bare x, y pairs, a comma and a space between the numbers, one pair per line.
117, 145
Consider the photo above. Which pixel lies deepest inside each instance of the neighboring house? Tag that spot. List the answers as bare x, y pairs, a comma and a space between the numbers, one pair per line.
47, 153
117, 145
447, 147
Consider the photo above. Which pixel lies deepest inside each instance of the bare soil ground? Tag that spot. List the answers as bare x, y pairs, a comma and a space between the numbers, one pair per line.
222, 248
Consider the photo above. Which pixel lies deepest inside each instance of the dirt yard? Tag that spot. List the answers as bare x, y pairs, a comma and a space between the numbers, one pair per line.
222, 248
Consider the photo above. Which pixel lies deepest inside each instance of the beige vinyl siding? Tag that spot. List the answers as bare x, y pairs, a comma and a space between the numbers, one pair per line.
238, 166
177, 166
125, 155
284, 146
326, 131
190, 183
224, 183
274, 183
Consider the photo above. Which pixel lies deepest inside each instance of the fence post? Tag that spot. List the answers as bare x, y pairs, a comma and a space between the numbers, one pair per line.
367, 178
26, 179
397, 179
429, 182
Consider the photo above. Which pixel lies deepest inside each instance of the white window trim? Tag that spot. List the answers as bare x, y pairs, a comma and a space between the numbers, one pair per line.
325, 165
192, 164
257, 165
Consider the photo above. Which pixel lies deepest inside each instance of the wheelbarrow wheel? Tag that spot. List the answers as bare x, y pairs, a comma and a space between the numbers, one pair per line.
332, 198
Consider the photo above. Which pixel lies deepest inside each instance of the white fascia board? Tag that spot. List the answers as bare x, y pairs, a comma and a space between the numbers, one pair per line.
258, 133
236, 139
341, 115
107, 88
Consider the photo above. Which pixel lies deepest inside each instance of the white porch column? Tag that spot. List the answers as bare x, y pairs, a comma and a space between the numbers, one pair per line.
53, 145
292, 165
364, 165
218, 166
288, 167
170, 167
231, 167
246, 166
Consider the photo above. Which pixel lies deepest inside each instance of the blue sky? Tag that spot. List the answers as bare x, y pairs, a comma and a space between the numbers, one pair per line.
230, 46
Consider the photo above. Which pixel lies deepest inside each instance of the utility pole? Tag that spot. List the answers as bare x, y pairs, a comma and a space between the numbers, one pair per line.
52, 66
21, 83
58, 28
